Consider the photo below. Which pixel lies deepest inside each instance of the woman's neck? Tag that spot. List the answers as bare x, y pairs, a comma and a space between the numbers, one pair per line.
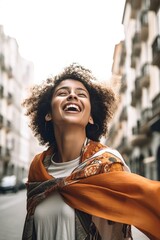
69, 144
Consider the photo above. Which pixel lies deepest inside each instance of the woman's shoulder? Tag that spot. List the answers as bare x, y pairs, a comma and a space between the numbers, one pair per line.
113, 152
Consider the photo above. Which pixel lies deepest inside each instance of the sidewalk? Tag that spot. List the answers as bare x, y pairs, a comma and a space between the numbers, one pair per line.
137, 235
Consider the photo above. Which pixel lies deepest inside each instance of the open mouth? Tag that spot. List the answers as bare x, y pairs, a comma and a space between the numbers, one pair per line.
72, 108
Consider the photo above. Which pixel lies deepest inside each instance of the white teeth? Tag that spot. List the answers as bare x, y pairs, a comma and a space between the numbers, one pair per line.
67, 108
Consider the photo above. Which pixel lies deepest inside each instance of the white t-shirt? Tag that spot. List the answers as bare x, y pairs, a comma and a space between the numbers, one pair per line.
53, 218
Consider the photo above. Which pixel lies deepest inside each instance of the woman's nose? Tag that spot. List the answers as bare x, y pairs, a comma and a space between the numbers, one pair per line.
72, 96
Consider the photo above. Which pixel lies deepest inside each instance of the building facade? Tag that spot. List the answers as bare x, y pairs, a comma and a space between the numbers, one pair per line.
16, 140
135, 130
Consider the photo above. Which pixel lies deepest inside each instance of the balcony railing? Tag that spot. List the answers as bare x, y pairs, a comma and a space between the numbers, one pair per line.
138, 138
136, 129
2, 152
9, 98
136, 44
1, 91
8, 152
156, 51
7, 155
138, 88
8, 125
144, 26
154, 5
123, 115
136, 4
133, 61
133, 98
125, 146
2, 62
1, 121
123, 84
113, 131
155, 121
146, 115
123, 54
10, 72
156, 105
145, 77
145, 119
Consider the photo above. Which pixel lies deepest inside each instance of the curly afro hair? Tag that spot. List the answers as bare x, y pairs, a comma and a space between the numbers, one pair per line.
38, 104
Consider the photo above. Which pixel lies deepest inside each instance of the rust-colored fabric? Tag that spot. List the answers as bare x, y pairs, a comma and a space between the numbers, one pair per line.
120, 197
39, 173
115, 195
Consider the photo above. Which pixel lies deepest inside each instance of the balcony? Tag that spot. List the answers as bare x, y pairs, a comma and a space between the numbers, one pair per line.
1, 91
144, 26
112, 132
145, 118
123, 84
8, 126
9, 98
154, 5
138, 138
1, 121
133, 98
10, 72
125, 146
138, 88
2, 152
123, 54
145, 77
133, 61
154, 122
7, 155
2, 62
156, 105
123, 115
136, 44
156, 51
135, 5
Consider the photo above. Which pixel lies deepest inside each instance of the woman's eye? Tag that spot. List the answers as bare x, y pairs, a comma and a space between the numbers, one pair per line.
82, 95
62, 93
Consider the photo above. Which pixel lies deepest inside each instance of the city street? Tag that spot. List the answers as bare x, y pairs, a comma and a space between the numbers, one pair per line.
13, 211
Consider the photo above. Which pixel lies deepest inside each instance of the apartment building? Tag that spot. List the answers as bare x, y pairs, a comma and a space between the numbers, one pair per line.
16, 141
135, 130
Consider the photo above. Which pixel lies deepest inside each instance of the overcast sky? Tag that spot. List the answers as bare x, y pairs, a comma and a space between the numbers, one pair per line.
54, 33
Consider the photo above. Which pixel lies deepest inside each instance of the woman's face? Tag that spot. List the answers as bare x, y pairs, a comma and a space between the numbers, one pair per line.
71, 104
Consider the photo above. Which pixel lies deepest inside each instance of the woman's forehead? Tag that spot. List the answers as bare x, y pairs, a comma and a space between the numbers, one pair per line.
71, 83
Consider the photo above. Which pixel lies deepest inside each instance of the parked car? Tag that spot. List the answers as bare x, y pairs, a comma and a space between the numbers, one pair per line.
22, 184
9, 183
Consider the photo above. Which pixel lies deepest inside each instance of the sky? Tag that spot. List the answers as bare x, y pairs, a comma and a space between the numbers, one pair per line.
55, 33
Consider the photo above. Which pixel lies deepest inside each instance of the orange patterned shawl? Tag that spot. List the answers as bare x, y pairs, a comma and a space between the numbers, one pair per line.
97, 188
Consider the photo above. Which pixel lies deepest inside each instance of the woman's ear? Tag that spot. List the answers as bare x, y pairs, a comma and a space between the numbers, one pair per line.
91, 120
48, 117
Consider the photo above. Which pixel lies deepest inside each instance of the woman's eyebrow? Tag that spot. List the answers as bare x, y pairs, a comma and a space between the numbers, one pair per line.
67, 88
61, 88
82, 89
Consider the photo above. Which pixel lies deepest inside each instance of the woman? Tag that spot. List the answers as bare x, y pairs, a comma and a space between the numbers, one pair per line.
79, 188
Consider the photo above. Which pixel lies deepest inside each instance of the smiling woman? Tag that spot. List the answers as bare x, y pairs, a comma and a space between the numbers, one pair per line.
39, 107
70, 106
79, 188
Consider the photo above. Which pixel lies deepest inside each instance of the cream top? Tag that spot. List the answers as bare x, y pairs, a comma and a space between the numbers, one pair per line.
53, 218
